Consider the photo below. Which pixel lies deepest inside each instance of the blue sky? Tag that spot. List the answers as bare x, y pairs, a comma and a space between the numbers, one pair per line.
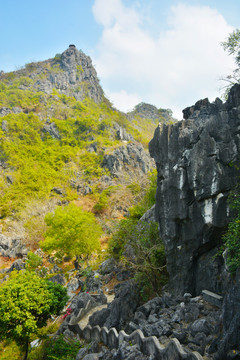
166, 53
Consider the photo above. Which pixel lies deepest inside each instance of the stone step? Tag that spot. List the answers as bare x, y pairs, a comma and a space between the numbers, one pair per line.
212, 298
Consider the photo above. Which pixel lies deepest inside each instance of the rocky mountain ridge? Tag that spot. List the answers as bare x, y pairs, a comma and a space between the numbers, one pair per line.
71, 73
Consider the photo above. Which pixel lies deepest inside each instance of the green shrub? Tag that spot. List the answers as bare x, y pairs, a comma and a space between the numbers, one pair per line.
232, 237
148, 200
147, 257
71, 231
33, 261
62, 349
56, 349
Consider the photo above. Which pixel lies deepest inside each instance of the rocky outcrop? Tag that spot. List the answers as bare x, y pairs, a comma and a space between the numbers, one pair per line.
120, 310
5, 111
148, 111
12, 246
52, 130
78, 78
194, 160
122, 133
70, 73
131, 158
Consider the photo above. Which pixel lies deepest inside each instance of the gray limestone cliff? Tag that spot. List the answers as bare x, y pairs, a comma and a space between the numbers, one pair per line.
78, 76
71, 73
194, 160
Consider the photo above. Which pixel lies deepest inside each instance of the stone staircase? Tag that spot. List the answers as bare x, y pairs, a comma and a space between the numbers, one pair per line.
112, 339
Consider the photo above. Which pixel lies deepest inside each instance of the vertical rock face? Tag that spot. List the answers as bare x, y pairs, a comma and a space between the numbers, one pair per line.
194, 159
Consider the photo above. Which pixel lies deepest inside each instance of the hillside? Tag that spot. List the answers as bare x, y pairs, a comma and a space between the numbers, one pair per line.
62, 141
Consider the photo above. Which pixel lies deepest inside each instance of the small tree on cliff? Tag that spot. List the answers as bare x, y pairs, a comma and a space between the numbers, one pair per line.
26, 302
71, 231
232, 46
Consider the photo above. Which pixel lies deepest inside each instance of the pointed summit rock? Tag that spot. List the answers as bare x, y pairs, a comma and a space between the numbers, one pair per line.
70, 73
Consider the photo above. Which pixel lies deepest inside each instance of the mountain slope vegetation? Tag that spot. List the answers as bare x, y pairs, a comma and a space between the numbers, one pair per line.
60, 138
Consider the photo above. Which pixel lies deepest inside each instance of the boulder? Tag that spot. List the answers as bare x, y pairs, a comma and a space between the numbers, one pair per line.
59, 279
107, 266
12, 246
121, 309
17, 265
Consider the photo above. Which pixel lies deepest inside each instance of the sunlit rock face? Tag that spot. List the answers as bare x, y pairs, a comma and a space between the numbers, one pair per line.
194, 160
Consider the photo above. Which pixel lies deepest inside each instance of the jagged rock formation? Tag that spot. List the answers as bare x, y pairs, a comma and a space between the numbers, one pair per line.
12, 246
129, 157
165, 327
77, 70
195, 175
71, 73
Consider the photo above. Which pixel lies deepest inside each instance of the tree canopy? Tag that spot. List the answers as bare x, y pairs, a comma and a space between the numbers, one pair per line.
26, 302
232, 46
71, 231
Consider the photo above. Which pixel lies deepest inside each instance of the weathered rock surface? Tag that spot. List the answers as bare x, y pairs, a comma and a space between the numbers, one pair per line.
131, 157
5, 111
122, 133
52, 130
195, 175
120, 310
71, 73
12, 246
230, 338
77, 69
195, 323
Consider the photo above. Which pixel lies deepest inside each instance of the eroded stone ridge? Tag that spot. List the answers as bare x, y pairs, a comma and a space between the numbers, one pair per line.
194, 159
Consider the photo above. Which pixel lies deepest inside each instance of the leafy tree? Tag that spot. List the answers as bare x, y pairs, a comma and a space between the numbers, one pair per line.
146, 256
232, 237
232, 46
71, 231
26, 302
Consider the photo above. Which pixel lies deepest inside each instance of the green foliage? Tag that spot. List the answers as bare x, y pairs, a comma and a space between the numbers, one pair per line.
103, 199
71, 231
26, 302
57, 57
232, 237
232, 46
79, 71
56, 349
33, 261
10, 350
147, 256
148, 200
30, 156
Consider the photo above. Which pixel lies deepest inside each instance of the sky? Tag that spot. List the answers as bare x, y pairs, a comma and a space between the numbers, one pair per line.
166, 53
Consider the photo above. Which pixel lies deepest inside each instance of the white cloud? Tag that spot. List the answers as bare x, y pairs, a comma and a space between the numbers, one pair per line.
174, 68
123, 100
